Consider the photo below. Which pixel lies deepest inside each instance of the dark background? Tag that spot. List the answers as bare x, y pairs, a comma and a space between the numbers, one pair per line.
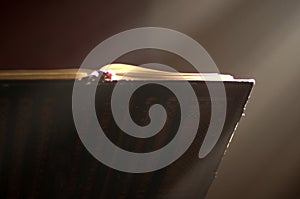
248, 39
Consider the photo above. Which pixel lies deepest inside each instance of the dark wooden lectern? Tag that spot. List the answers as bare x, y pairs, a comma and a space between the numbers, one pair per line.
42, 156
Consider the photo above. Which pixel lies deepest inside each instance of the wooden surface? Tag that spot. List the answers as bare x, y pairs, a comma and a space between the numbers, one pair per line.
42, 156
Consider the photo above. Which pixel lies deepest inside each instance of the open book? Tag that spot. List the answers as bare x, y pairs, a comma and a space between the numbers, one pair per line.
117, 72
114, 72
